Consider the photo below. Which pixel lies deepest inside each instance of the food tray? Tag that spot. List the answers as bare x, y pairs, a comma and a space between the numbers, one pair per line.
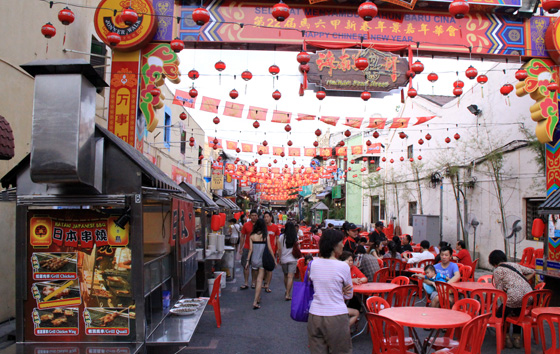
183, 312
191, 301
186, 306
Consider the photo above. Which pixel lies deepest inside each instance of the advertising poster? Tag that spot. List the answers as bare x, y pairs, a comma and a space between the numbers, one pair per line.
79, 278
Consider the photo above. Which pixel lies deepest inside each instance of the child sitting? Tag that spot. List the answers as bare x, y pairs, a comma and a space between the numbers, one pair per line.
429, 278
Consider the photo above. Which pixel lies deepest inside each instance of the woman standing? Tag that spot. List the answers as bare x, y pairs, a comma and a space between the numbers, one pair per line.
328, 328
285, 244
257, 243
514, 280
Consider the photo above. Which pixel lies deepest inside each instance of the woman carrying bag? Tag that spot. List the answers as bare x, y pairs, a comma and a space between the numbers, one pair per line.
258, 241
287, 254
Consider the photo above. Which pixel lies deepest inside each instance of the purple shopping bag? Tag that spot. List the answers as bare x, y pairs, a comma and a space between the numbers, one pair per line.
302, 295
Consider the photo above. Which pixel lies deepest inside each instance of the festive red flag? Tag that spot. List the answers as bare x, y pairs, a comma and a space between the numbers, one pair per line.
275, 170
210, 104
373, 148
399, 123
326, 152
233, 109
256, 113
246, 147
231, 145
329, 120
264, 149
303, 116
294, 152
211, 143
356, 150
309, 152
353, 122
263, 169
183, 98
341, 151
277, 150
421, 120
281, 117
376, 123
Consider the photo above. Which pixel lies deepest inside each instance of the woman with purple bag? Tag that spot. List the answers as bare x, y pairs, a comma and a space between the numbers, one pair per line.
327, 328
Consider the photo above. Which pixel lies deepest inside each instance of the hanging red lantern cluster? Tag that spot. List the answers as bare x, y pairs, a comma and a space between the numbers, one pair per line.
321, 95
417, 67
471, 72
129, 16
193, 92
274, 69
432, 77
182, 116
201, 16
48, 30
191, 141
367, 10
276, 95
303, 57
280, 11
177, 45
365, 95
412, 92
246, 75
361, 63
220, 66
506, 89
66, 16
459, 8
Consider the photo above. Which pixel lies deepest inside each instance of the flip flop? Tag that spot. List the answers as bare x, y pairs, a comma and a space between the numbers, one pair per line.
244, 287
267, 290
288, 299
252, 286
256, 307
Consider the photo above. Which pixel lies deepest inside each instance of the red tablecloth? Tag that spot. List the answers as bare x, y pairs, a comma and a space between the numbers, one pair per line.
426, 317
373, 288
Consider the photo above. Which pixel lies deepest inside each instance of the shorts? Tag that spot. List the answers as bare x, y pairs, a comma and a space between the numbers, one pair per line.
289, 267
433, 295
244, 256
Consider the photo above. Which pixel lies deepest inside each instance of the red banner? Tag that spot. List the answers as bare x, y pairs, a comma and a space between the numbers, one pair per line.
246, 147
277, 151
178, 175
329, 120
183, 98
264, 149
421, 120
294, 152
309, 152
211, 143
209, 104
233, 109
373, 148
377, 123
183, 222
256, 113
357, 150
326, 152
231, 145
302, 116
281, 117
341, 151
353, 122
399, 123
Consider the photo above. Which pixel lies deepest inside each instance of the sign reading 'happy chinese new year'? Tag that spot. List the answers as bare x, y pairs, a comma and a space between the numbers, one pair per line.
335, 70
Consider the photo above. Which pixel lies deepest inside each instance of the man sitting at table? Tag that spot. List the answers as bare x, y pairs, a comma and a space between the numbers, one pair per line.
377, 236
420, 256
366, 263
351, 241
463, 256
449, 270
406, 243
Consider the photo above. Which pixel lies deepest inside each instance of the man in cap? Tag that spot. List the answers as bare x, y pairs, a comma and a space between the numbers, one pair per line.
351, 242
377, 235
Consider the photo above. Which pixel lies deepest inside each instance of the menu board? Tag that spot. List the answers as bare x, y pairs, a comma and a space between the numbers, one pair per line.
79, 278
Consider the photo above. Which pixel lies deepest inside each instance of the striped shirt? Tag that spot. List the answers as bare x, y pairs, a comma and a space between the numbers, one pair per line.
329, 276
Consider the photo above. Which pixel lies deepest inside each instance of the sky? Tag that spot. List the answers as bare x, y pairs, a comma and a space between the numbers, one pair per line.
258, 92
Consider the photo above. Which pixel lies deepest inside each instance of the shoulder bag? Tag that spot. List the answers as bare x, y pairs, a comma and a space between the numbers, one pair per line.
268, 259
516, 271
296, 252
302, 295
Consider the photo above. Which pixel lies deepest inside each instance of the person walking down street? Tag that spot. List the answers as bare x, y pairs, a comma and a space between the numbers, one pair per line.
235, 230
284, 218
328, 328
257, 243
273, 233
245, 241
514, 280
285, 246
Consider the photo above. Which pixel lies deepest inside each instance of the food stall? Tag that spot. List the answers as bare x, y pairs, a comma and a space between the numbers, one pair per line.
104, 239
548, 268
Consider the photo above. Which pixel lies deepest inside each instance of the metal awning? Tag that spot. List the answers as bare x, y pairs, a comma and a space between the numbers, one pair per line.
226, 203
198, 196
323, 195
320, 206
551, 205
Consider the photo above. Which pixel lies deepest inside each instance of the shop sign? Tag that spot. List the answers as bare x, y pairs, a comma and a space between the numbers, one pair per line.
336, 192
183, 222
217, 180
335, 70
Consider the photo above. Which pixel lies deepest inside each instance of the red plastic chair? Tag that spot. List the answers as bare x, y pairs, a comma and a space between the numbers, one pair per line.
401, 280
375, 304
381, 276
390, 332
540, 286
539, 253
470, 306
473, 266
425, 262
553, 325
527, 256
486, 278
445, 291
466, 273
490, 301
472, 336
536, 298
215, 300
403, 295
395, 266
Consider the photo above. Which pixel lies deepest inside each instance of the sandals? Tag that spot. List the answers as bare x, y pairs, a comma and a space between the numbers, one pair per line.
244, 287
253, 286
288, 298
256, 307
267, 290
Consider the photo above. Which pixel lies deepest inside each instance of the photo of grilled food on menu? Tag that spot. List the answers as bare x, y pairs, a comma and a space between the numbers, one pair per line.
58, 317
106, 317
54, 265
56, 293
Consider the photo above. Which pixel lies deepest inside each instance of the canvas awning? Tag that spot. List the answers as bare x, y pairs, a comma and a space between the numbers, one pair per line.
320, 206
551, 205
198, 196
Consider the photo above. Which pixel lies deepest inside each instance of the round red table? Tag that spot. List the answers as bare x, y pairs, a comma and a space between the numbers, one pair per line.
415, 270
538, 310
374, 288
472, 285
310, 251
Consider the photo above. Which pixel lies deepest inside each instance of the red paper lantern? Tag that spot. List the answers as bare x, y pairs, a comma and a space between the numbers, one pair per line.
287, 128
447, 140
220, 66
294, 162
459, 8
269, 165
238, 150
412, 92
264, 143
347, 133
391, 160
282, 154
246, 75
113, 38
372, 162
216, 120
215, 147
550, 6
155, 92
345, 158
274, 69
459, 84
183, 116
256, 124
375, 134
256, 161
402, 135
364, 159
365, 95
378, 169
368, 143
419, 157
341, 143
303, 57
457, 91
233, 94
215, 141
201, 16
432, 77
289, 143
428, 136
280, 11
48, 30
129, 16
275, 161
417, 67
352, 162
361, 63
401, 158
552, 86
420, 141
383, 159
193, 74
362, 169
193, 92
521, 74
367, 10
482, 79
411, 159
304, 68
471, 72
215, 223
201, 157
276, 95
177, 45
506, 89
321, 95
456, 136
191, 139
410, 74
318, 132
315, 143
66, 16
191, 143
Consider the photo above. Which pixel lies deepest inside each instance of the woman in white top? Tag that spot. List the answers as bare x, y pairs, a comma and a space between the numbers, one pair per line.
234, 232
328, 328
285, 244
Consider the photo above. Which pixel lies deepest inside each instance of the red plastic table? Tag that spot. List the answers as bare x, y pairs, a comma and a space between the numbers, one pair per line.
313, 251
374, 288
472, 285
426, 317
415, 270
538, 310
